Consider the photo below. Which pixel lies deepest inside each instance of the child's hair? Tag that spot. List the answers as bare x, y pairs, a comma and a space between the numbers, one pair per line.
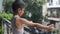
18, 4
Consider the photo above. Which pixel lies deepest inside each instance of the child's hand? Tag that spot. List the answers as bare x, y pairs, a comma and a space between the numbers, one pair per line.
51, 27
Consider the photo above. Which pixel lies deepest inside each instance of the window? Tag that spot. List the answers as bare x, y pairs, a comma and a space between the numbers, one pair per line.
50, 2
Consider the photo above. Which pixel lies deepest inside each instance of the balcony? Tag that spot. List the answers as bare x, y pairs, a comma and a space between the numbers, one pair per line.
54, 19
53, 4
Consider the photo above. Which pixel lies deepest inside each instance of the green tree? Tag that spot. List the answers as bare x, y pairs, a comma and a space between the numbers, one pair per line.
7, 5
35, 8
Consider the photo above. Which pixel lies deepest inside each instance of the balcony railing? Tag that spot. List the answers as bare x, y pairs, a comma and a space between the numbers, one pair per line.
52, 5
6, 25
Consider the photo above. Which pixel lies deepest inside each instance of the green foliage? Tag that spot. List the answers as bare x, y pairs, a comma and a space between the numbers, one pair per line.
6, 15
7, 5
35, 8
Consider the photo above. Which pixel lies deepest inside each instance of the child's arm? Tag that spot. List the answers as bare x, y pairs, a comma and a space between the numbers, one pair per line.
24, 21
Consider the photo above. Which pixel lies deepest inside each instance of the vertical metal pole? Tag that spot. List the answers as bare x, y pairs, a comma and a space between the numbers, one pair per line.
4, 26
5, 29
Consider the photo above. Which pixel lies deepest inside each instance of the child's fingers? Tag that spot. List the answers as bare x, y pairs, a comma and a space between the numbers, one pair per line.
52, 25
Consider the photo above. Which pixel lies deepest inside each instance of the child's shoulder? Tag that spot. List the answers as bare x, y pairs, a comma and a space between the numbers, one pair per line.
16, 16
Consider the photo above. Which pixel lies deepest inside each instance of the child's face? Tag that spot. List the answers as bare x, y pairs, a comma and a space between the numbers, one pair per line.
21, 11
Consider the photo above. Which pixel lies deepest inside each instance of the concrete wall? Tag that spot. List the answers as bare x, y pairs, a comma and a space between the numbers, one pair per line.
44, 12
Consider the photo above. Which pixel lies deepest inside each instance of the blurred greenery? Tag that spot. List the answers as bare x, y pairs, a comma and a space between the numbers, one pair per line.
6, 15
35, 8
7, 5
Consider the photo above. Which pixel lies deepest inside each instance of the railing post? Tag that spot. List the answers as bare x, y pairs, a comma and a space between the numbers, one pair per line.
4, 26
5, 29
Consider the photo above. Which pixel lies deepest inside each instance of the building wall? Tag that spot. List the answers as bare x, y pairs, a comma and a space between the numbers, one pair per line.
44, 9
56, 9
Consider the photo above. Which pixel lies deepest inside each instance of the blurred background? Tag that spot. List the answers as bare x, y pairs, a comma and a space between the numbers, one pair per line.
45, 12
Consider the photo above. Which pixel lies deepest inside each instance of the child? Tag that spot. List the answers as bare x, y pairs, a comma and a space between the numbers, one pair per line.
18, 22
